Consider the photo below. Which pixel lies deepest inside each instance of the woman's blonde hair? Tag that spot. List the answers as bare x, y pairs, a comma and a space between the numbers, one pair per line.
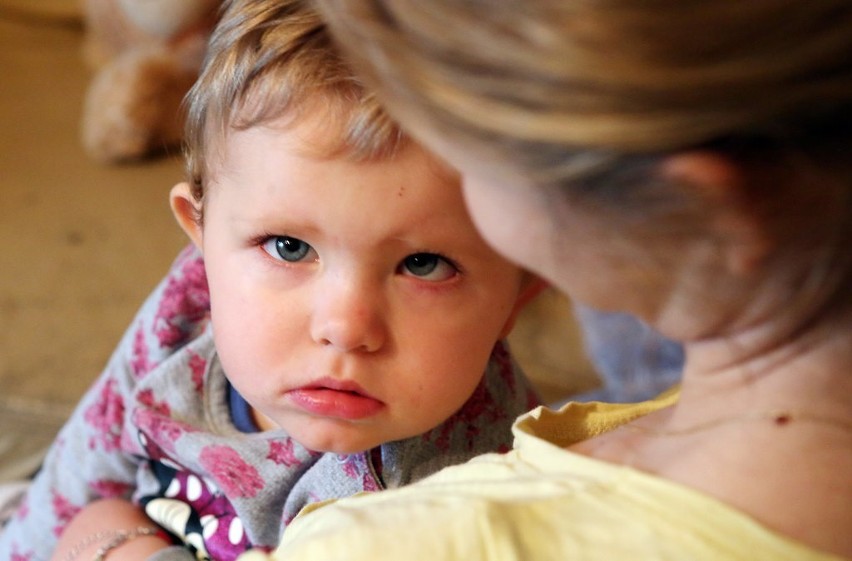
274, 59
624, 76
584, 97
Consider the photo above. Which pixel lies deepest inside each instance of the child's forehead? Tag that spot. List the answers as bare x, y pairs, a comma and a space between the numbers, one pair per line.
317, 133
410, 196
293, 159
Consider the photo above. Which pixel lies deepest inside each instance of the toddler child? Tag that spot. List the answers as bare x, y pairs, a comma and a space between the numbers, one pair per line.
341, 333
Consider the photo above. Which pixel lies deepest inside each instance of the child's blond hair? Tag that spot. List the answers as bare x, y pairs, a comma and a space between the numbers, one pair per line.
274, 59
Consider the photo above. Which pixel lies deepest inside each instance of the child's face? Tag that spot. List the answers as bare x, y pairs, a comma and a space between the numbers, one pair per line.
352, 303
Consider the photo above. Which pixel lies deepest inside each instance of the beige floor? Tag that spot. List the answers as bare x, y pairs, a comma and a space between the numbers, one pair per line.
82, 244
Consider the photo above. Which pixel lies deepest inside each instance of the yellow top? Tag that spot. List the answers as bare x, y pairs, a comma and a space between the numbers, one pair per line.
538, 502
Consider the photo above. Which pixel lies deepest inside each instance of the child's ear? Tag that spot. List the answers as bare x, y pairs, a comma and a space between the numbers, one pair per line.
187, 212
531, 286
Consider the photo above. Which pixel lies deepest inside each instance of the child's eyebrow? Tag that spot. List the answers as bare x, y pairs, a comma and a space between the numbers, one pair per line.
274, 224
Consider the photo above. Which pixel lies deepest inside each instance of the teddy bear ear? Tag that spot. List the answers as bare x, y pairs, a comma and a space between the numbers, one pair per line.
167, 18
132, 108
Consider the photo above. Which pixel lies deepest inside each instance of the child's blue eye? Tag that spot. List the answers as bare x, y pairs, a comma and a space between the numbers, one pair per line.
287, 248
428, 266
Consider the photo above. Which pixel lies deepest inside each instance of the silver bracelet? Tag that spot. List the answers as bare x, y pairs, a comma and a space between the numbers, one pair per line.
116, 538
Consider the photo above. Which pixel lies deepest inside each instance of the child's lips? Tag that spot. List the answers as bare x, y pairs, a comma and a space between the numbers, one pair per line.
335, 398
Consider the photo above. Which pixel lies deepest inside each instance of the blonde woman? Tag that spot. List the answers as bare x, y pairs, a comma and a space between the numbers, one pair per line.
684, 161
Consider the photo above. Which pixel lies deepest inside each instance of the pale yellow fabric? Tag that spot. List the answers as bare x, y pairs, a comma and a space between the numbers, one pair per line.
538, 503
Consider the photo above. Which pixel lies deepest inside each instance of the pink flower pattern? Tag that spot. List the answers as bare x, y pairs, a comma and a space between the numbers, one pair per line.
232, 473
106, 416
146, 397
356, 466
282, 453
107, 489
369, 483
63, 510
350, 467
197, 365
18, 556
163, 430
139, 361
185, 302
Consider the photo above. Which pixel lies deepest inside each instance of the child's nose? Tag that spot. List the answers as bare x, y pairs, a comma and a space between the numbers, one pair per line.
348, 316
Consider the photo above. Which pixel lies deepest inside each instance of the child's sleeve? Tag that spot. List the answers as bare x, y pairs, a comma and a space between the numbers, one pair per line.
95, 454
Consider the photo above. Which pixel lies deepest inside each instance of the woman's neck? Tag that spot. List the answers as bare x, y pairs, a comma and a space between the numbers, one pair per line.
763, 425
756, 369
724, 437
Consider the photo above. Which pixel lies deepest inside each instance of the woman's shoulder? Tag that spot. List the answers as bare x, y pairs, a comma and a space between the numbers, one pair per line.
520, 506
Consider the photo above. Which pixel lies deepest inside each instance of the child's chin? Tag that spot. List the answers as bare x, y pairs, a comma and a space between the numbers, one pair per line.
339, 446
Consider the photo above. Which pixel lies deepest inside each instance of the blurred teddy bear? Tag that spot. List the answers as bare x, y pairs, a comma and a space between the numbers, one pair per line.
145, 54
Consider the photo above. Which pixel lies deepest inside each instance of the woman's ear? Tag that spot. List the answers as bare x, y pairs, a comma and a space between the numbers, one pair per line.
718, 184
187, 211
531, 286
